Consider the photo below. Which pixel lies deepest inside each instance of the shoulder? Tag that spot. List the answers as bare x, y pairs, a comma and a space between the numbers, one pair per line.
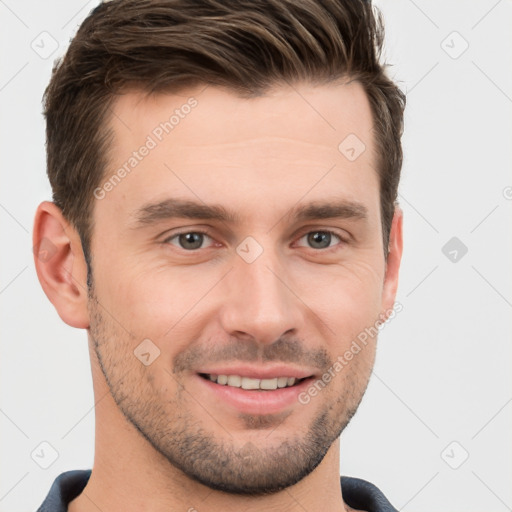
363, 495
65, 488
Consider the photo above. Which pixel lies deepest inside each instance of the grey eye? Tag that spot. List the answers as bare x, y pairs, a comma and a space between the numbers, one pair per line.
190, 240
320, 239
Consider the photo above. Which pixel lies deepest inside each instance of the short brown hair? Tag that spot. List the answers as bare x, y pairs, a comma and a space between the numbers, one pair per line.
247, 46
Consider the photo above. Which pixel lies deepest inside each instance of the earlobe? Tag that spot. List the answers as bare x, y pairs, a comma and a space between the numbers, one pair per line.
60, 264
395, 249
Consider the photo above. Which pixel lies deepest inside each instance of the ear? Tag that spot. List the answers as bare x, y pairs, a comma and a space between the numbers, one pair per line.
395, 249
60, 265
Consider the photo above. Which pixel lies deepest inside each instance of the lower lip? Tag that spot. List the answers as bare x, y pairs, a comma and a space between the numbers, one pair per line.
251, 401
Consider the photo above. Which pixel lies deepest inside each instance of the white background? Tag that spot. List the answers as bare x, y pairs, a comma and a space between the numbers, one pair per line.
443, 371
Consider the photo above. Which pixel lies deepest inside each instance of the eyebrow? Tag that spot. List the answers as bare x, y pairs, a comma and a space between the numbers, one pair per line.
182, 208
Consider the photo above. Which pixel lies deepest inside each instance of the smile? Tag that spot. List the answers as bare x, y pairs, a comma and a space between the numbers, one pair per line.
237, 381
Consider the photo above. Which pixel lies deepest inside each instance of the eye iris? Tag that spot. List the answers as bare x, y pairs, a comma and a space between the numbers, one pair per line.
319, 237
195, 239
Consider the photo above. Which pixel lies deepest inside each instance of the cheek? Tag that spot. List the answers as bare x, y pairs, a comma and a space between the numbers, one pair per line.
347, 297
155, 301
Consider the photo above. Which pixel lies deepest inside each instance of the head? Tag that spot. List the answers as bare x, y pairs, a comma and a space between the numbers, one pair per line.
224, 185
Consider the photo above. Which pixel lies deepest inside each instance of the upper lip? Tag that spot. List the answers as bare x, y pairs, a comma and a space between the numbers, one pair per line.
255, 372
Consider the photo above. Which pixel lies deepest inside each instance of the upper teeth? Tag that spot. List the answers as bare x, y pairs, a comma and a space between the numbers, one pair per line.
247, 383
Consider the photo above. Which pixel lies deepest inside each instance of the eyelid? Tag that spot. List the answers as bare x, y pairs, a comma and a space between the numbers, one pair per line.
303, 232
201, 231
343, 240
345, 236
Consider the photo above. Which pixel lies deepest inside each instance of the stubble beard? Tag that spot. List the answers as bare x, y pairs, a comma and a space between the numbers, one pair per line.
224, 462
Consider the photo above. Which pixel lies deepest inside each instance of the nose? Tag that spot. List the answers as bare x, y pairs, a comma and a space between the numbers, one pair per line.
259, 301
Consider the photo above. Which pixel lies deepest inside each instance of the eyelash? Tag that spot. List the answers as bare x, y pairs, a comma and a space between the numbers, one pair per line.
202, 232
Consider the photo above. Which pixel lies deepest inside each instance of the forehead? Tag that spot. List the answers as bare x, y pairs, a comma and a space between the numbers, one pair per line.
209, 143
312, 114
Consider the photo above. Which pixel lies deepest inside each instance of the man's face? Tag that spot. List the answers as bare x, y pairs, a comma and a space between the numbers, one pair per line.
261, 294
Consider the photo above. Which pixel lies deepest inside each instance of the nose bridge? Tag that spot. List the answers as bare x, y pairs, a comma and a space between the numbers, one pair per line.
258, 302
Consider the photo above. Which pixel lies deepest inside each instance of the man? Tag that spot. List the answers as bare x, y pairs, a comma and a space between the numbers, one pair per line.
266, 135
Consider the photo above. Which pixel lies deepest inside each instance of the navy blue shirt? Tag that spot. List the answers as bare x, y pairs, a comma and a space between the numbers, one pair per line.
357, 493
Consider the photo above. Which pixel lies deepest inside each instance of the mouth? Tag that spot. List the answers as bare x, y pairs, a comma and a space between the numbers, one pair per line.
248, 383
273, 394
